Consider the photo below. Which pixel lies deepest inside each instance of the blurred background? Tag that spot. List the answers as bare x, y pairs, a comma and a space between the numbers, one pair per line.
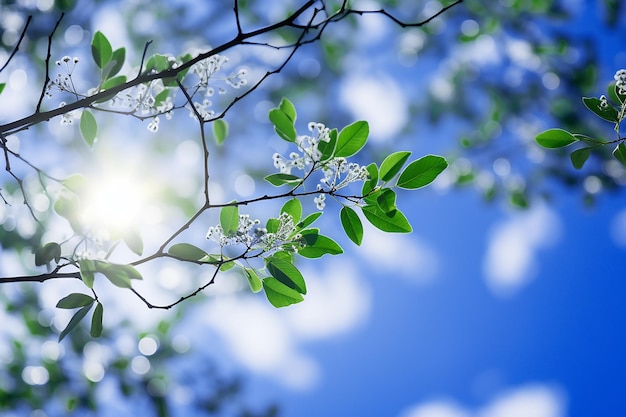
506, 300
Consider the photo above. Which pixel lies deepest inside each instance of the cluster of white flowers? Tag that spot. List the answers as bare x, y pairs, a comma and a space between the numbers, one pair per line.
255, 237
604, 103
620, 81
63, 82
308, 145
338, 173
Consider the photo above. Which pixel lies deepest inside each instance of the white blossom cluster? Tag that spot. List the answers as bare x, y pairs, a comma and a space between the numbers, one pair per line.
255, 237
338, 172
63, 81
620, 81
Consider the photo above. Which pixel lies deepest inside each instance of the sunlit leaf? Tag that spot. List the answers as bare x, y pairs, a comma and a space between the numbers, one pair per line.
608, 113
75, 300
254, 281
118, 275
620, 153
220, 131
279, 294
88, 127
80, 314
187, 252
118, 57
422, 172
394, 222
293, 207
351, 224
555, 138
393, 164
96, 321
114, 82
47, 253
288, 108
286, 272
87, 271
318, 245
282, 179
133, 241
283, 125
352, 138
579, 157
308, 220
101, 50
229, 219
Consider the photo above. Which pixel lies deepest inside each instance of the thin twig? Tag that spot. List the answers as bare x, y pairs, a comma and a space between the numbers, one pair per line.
17, 45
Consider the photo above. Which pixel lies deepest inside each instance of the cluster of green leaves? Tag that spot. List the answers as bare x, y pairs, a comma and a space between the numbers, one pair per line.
611, 108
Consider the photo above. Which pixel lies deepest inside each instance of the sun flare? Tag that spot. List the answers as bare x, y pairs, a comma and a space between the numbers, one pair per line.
115, 203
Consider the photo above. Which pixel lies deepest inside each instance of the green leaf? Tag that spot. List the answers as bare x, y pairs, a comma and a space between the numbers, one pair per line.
614, 95
114, 82
119, 275
370, 184
281, 179
555, 138
229, 219
88, 127
80, 314
394, 222
351, 224
187, 252
254, 281
76, 183
293, 207
2, 85
47, 253
608, 113
87, 271
118, 57
579, 157
318, 245
288, 108
386, 200
352, 138
286, 272
283, 125
328, 148
392, 164
620, 153
133, 241
220, 131
308, 220
422, 172
101, 50
75, 300
161, 97
158, 63
280, 295
96, 321
518, 199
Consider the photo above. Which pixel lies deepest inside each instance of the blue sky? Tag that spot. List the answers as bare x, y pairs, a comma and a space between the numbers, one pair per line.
484, 311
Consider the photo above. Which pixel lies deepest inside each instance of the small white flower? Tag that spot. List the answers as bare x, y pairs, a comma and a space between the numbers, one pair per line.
320, 201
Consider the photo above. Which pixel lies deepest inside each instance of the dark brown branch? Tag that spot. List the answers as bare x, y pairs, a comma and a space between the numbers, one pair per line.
17, 45
47, 80
40, 277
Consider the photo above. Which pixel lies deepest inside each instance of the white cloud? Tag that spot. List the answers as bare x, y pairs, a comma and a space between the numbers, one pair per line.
378, 100
436, 408
510, 262
404, 256
268, 341
532, 400
529, 401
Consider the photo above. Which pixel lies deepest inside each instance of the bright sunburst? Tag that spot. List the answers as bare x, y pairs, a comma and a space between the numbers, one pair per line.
115, 203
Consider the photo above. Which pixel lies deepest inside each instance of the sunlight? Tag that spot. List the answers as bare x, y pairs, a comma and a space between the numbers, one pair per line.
115, 203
